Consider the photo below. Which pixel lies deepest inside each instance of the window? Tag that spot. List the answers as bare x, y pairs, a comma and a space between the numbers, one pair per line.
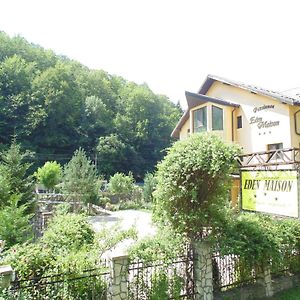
277, 146
239, 122
297, 122
200, 119
217, 118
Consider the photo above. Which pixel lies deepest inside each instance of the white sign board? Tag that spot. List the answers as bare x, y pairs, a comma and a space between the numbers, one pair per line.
273, 192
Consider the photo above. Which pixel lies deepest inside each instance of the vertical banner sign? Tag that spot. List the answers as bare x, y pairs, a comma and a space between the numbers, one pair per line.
273, 192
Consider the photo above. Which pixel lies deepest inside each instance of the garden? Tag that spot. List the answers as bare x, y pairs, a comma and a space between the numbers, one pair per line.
192, 211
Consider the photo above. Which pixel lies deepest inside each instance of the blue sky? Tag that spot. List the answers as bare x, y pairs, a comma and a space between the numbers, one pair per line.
170, 45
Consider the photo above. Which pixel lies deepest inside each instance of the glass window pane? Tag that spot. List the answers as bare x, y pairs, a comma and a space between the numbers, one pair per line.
239, 122
217, 118
200, 120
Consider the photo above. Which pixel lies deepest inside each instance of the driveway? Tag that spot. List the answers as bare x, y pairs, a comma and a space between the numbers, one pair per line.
126, 218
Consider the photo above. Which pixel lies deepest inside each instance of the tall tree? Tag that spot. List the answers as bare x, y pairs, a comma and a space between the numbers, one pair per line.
80, 178
15, 166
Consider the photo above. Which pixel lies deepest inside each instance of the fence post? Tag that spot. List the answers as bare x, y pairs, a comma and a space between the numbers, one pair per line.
266, 281
6, 276
203, 270
118, 289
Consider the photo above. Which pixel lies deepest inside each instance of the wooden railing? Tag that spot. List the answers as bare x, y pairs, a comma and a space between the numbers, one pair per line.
277, 157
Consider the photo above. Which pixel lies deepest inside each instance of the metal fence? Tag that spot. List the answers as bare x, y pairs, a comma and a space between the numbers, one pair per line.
229, 271
89, 284
288, 264
162, 280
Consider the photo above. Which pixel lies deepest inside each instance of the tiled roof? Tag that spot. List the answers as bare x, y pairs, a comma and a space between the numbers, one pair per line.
291, 97
282, 97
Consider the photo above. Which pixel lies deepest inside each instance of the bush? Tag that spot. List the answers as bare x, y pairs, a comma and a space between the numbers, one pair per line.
121, 184
164, 246
193, 184
67, 232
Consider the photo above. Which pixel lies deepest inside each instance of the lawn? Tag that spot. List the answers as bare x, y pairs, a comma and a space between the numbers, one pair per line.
292, 294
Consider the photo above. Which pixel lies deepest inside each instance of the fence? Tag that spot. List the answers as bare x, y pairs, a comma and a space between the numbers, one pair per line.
230, 271
188, 277
89, 284
172, 280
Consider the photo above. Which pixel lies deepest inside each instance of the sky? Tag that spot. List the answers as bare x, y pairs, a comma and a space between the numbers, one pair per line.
172, 45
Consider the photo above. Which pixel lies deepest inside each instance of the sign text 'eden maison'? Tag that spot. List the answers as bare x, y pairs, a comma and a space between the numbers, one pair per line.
273, 192
260, 121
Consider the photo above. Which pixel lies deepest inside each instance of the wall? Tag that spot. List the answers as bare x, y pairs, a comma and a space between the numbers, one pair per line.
184, 132
252, 137
294, 136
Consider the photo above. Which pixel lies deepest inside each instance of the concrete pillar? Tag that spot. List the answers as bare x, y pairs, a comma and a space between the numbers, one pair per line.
266, 282
118, 289
6, 276
203, 274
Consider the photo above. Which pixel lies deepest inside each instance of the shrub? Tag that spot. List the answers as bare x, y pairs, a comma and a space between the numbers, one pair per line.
193, 184
67, 232
121, 184
163, 246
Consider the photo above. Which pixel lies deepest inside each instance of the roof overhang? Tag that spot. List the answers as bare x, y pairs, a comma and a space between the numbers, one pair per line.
194, 100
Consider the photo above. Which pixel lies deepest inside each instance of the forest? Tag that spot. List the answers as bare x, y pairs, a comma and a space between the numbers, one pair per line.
52, 105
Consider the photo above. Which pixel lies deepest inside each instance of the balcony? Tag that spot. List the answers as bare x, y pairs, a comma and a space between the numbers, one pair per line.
280, 157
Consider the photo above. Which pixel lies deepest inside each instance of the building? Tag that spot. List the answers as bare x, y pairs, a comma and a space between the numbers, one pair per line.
265, 123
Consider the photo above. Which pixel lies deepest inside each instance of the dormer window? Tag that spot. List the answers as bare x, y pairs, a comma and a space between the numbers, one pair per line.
217, 118
200, 119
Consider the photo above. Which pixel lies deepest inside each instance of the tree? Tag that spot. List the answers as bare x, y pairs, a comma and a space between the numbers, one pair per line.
115, 156
121, 184
192, 190
96, 121
80, 178
15, 166
19, 112
50, 174
149, 187
15, 227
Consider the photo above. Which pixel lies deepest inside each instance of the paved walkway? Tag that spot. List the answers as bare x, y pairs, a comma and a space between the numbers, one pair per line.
126, 218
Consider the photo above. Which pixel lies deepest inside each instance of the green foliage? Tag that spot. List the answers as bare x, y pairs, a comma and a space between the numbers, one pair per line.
50, 174
149, 187
260, 240
121, 184
15, 177
14, 223
192, 190
30, 260
53, 104
68, 232
160, 285
114, 155
69, 245
80, 180
163, 246
253, 237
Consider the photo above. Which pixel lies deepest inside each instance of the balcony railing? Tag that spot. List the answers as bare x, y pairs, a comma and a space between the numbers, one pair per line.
288, 156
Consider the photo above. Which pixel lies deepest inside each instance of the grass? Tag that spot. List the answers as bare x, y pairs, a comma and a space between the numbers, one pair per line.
292, 294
